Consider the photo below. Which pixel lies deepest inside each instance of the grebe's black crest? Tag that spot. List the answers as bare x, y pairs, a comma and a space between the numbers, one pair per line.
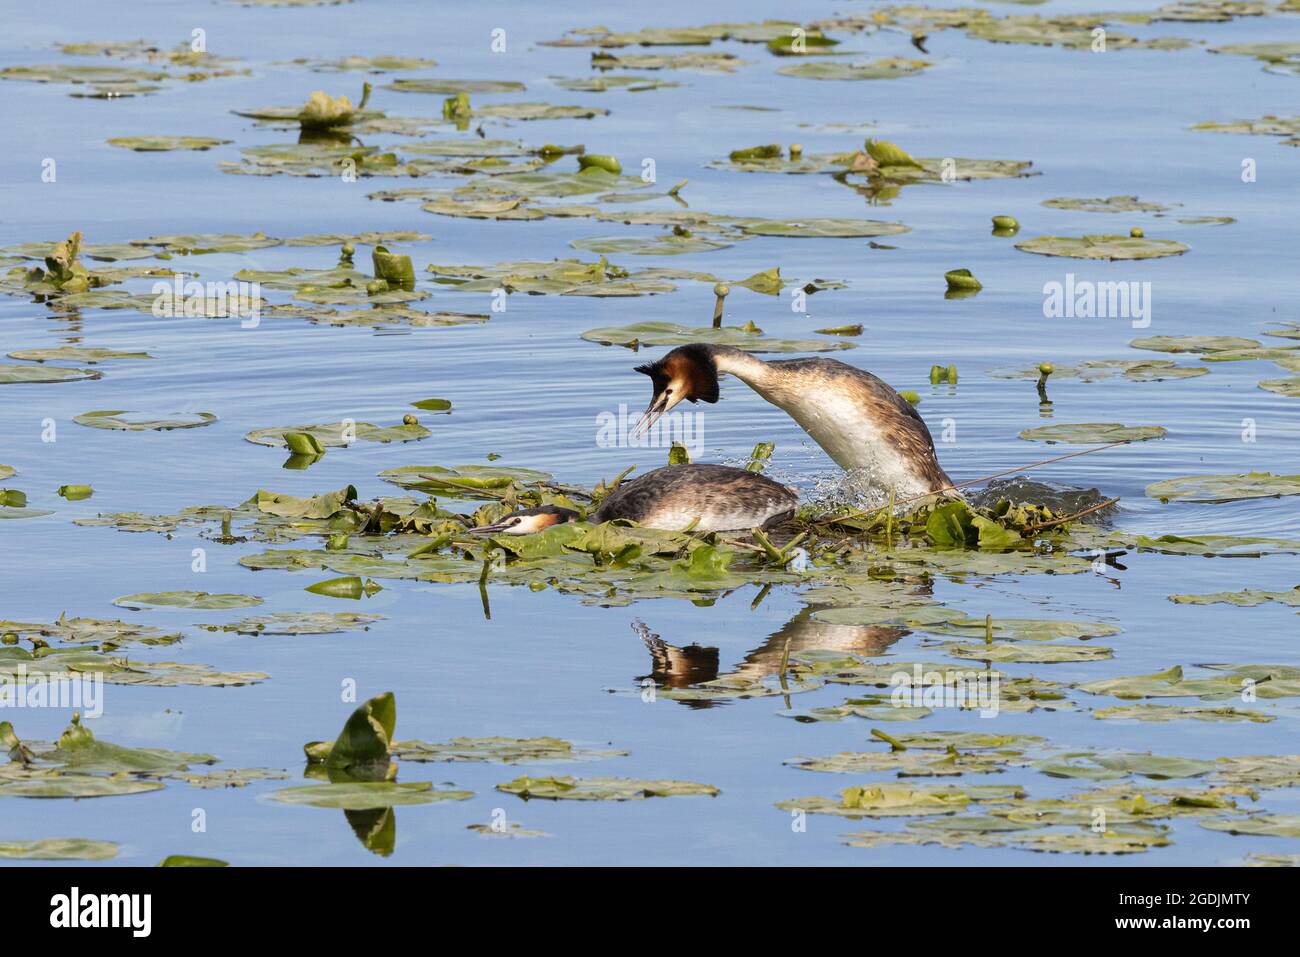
529, 520
687, 372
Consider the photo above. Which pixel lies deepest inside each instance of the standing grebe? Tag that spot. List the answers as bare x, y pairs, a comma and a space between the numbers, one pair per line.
860, 421
709, 498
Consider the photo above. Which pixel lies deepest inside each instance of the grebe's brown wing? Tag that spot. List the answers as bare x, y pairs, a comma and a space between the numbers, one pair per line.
697, 488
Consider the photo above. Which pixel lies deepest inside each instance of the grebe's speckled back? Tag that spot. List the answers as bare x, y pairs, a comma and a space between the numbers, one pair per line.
710, 498
861, 422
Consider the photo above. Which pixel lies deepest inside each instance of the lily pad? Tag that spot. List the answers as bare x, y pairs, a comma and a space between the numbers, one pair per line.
602, 788
339, 434
1102, 247
75, 354
1287, 387
1109, 204
1224, 488
298, 623
59, 849
461, 478
1090, 433
1193, 343
671, 334
886, 68
1169, 712
163, 144
499, 751
123, 420
902, 800
186, 599
366, 795
446, 87
1260, 825
13, 374
821, 228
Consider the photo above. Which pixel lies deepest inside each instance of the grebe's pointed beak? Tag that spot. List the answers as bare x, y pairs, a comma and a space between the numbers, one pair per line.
492, 529
661, 403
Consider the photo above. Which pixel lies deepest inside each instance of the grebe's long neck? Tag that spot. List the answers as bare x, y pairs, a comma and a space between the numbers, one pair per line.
752, 371
859, 421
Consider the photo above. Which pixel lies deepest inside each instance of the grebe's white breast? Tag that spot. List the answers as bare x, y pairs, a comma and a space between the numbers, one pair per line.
863, 424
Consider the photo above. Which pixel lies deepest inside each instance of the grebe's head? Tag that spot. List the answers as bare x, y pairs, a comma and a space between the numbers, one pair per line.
687, 372
529, 520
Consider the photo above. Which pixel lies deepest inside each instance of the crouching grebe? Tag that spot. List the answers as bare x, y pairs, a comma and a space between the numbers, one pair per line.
716, 498
860, 421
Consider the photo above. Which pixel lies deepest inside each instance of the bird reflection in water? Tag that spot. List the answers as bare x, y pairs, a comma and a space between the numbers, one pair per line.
675, 667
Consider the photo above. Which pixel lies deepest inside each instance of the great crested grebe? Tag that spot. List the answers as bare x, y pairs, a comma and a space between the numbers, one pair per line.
860, 421
710, 498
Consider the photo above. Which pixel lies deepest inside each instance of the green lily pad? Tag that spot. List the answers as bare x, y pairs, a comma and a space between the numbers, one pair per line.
75, 354
123, 420
1260, 825
186, 599
195, 244
821, 228
332, 434
76, 786
1224, 488
885, 68
1096, 370
1236, 546
499, 751
92, 631
671, 334
1100, 767
12, 374
1169, 712
602, 788
366, 795
324, 505
603, 84
1283, 58
902, 800
119, 670
298, 623
665, 244
1120, 839
1031, 654
163, 144
1109, 204
1287, 387
446, 87
1102, 247
364, 740
461, 478
699, 62
1193, 343
371, 64
59, 849
187, 860
1247, 597
1090, 433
